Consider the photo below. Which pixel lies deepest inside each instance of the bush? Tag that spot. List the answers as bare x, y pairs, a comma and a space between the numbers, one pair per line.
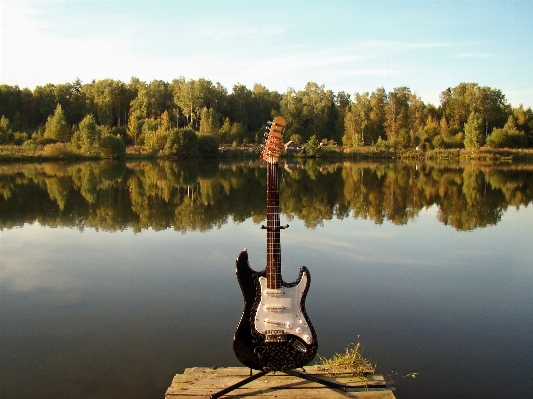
122, 132
29, 145
503, 138
112, 146
59, 150
45, 141
155, 141
207, 146
312, 147
19, 138
76, 140
456, 141
404, 138
438, 142
183, 143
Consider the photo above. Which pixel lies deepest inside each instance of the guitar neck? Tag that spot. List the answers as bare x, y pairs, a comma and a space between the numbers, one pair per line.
273, 266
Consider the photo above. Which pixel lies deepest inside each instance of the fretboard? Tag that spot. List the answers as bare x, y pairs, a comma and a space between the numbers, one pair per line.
273, 268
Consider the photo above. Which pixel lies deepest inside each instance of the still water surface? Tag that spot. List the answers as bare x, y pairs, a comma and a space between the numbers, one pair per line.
114, 277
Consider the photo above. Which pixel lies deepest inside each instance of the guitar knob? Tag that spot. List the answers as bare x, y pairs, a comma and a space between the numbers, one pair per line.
307, 339
299, 330
288, 325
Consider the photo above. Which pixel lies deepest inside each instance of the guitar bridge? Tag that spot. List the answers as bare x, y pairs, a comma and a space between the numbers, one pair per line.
275, 336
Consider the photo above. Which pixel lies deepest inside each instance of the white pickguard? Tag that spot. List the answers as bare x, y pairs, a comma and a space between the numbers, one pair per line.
280, 310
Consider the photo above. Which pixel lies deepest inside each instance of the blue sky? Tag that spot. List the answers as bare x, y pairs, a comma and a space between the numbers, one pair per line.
352, 46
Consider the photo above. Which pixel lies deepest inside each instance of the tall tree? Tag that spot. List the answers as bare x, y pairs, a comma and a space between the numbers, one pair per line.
416, 114
459, 102
473, 132
88, 132
397, 111
45, 102
240, 101
265, 103
378, 116
193, 95
357, 120
342, 104
291, 108
56, 126
209, 121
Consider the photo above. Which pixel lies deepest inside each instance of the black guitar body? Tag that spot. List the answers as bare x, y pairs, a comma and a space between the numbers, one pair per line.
257, 350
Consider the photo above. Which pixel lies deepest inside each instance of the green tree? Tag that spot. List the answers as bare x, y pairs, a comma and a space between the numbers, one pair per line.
56, 126
207, 145
6, 135
378, 116
416, 113
509, 136
135, 125
312, 147
357, 120
109, 100
88, 132
240, 101
265, 103
156, 133
459, 102
473, 132
209, 122
224, 133
404, 139
397, 111
238, 132
193, 95
183, 143
112, 146
524, 122
319, 113
291, 108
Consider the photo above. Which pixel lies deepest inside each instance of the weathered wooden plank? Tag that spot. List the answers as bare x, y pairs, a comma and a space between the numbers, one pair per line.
199, 382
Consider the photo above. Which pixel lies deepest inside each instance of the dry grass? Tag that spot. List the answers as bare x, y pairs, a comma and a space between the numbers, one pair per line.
351, 360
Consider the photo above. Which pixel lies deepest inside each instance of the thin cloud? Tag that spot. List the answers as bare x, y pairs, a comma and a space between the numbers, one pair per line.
475, 55
361, 72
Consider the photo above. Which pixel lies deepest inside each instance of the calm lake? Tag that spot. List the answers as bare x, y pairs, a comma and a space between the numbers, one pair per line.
116, 276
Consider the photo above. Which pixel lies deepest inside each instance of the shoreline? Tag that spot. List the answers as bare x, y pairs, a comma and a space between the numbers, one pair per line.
10, 153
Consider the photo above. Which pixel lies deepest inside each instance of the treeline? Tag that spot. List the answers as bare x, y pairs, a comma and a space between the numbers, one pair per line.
160, 116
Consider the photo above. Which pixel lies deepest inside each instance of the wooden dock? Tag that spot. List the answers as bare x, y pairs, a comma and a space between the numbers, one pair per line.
200, 382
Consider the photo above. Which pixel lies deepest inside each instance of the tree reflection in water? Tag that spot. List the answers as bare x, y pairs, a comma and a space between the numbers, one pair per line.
198, 195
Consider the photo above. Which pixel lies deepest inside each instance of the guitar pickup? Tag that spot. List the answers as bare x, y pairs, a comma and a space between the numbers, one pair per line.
285, 324
274, 293
274, 308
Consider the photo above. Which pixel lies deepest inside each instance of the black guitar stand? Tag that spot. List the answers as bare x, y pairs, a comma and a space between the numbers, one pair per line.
252, 377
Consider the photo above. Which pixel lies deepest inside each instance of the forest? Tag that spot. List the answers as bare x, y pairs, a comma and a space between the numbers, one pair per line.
194, 117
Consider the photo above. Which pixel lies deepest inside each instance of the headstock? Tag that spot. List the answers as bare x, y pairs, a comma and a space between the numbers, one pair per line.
274, 141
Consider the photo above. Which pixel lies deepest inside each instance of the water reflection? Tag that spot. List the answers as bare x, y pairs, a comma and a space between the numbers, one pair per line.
107, 314
196, 196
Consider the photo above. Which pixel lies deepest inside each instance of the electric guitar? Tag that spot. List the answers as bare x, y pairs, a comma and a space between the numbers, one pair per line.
274, 332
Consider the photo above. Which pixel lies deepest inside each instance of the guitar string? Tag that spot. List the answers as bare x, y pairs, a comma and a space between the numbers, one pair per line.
274, 280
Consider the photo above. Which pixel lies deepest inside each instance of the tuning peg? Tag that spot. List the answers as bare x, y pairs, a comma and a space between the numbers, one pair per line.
269, 123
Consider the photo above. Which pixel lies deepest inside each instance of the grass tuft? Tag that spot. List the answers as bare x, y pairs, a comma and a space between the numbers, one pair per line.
351, 359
